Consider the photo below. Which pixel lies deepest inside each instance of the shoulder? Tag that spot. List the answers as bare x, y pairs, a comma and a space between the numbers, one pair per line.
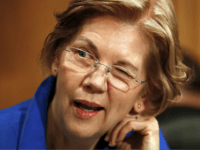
11, 121
14, 114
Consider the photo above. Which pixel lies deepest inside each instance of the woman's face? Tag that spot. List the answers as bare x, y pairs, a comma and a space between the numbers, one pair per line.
113, 43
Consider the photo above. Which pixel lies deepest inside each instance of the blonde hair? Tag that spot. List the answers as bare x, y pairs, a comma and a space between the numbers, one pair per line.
156, 21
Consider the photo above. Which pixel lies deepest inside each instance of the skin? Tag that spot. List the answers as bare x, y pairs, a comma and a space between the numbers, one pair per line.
115, 41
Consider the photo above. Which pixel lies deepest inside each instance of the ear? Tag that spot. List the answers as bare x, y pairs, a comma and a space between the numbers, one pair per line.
55, 67
142, 106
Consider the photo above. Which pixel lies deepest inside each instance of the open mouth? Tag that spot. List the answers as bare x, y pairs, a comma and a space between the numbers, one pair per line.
88, 106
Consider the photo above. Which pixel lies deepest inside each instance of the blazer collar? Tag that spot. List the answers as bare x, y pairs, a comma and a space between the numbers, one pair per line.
33, 134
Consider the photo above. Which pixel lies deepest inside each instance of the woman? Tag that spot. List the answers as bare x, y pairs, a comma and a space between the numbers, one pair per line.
115, 66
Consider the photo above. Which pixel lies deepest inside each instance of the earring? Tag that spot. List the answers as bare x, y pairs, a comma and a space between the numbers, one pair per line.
139, 106
55, 69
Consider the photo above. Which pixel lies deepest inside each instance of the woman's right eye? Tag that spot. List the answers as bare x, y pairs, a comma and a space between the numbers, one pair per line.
82, 54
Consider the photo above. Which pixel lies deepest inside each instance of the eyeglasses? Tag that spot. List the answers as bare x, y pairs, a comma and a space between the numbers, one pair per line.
120, 77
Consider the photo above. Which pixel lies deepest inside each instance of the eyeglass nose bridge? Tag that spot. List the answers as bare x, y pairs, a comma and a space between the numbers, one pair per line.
98, 63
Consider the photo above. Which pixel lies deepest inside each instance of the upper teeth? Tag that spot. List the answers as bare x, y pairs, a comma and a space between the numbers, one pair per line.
87, 109
89, 105
93, 106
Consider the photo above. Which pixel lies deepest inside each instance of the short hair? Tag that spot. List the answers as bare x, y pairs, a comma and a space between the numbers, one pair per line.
154, 19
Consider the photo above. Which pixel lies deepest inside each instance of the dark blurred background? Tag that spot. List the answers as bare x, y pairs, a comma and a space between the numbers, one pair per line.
24, 24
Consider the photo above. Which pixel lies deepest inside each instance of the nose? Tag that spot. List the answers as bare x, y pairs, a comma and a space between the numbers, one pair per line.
96, 81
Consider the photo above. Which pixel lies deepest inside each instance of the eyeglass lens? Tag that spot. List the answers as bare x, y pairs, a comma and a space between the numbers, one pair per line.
119, 77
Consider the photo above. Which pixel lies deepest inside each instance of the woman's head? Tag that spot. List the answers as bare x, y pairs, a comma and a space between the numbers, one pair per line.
90, 101
156, 23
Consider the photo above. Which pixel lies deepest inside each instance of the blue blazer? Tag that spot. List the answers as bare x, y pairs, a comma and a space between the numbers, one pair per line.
23, 126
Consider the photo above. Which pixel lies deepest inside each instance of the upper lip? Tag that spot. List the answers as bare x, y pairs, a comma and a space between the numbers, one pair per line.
88, 103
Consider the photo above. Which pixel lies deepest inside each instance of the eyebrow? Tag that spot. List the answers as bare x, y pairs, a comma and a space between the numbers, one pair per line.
89, 42
92, 45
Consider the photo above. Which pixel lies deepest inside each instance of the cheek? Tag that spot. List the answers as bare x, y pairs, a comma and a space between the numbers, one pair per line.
68, 80
67, 83
121, 103
110, 87
64, 87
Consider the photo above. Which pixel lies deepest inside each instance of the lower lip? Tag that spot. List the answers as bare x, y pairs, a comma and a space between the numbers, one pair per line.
86, 114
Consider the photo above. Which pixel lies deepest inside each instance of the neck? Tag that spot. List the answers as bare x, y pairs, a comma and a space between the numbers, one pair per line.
57, 138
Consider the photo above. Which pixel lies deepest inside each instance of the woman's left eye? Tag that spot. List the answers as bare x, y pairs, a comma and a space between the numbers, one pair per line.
124, 72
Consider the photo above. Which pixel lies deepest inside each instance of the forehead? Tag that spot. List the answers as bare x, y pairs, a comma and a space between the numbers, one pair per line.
118, 40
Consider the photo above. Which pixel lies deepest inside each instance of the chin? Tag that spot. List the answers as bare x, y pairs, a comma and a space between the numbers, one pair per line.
85, 128
85, 131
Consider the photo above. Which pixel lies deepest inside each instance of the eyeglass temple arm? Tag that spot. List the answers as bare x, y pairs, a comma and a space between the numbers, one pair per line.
141, 82
66, 49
